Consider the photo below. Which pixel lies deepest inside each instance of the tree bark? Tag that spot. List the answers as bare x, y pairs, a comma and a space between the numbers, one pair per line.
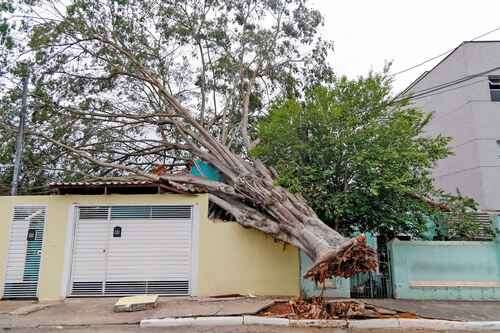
249, 194
247, 190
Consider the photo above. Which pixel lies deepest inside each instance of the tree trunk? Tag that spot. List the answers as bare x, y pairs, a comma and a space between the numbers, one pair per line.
251, 197
247, 191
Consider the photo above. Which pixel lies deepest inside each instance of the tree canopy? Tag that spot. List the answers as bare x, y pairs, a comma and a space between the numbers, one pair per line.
225, 60
360, 157
135, 83
120, 86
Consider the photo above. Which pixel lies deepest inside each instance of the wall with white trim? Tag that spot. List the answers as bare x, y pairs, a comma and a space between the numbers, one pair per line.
230, 258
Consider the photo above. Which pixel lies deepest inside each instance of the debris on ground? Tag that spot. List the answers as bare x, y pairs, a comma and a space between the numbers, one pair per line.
249, 295
136, 303
318, 308
227, 296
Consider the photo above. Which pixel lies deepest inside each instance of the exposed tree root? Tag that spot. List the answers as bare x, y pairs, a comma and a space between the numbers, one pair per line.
319, 308
351, 257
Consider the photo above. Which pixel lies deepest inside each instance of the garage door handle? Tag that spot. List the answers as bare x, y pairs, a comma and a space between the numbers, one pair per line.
103, 250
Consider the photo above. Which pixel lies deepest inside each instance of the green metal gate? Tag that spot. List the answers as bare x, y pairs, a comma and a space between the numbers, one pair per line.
374, 284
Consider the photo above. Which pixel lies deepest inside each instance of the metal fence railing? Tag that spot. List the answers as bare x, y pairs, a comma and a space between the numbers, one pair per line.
370, 285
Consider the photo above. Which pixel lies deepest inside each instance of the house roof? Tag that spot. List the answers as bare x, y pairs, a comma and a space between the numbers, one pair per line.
424, 74
127, 185
100, 183
105, 187
120, 185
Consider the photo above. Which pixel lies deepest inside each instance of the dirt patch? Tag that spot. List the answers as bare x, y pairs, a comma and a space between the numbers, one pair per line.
317, 308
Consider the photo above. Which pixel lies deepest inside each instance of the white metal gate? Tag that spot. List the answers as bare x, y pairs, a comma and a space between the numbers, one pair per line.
126, 250
25, 250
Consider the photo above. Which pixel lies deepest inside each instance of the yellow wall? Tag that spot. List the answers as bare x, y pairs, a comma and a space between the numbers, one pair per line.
234, 259
231, 259
5, 218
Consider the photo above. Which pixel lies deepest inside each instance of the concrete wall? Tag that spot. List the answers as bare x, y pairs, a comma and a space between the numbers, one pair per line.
234, 259
466, 113
231, 258
445, 270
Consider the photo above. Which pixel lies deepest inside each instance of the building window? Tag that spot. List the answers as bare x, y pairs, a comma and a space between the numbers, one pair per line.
494, 82
498, 149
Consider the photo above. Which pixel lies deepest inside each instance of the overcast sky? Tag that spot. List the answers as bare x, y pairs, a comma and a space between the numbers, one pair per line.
366, 33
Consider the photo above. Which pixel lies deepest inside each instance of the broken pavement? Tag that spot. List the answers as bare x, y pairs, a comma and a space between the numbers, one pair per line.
99, 311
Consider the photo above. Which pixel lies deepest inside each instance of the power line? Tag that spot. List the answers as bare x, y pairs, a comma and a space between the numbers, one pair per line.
425, 92
441, 54
451, 83
445, 91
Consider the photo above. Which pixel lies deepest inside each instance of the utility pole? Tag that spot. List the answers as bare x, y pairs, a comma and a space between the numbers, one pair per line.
20, 135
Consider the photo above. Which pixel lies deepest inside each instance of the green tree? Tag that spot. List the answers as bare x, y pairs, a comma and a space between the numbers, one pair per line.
360, 158
134, 69
460, 223
42, 161
223, 59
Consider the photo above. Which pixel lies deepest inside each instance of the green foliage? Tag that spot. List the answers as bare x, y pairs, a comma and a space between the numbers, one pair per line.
205, 53
6, 40
359, 158
461, 222
42, 162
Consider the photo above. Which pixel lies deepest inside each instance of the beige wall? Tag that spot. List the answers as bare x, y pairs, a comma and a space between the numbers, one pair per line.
234, 259
231, 259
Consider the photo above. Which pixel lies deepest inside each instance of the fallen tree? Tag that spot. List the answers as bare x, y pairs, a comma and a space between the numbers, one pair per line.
249, 195
115, 64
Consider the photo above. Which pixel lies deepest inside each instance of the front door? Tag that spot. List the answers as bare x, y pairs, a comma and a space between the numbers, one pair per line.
25, 251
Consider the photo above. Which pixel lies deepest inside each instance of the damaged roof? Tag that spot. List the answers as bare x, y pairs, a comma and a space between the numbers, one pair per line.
121, 185
106, 187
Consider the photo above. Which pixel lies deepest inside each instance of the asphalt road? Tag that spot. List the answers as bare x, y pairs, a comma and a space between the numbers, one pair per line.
135, 328
225, 329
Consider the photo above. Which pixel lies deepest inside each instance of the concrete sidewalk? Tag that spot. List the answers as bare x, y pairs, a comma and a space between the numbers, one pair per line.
445, 310
94, 312
222, 329
99, 311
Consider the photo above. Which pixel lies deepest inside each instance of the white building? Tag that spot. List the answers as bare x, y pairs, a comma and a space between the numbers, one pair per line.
463, 92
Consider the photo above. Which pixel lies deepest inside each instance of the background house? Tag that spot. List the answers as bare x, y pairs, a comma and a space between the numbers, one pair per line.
463, 93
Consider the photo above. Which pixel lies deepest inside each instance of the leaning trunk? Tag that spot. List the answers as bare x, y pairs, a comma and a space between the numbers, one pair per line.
247, 191
250, 195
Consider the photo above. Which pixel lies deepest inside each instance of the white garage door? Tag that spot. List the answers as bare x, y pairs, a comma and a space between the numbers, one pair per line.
128, 250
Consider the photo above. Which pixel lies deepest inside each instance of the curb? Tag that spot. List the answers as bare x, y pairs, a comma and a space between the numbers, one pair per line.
319, 323
415, 324
374, 324
196, 321
449, 325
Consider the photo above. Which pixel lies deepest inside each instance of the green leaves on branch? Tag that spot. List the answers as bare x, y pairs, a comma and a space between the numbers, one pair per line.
361, 159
